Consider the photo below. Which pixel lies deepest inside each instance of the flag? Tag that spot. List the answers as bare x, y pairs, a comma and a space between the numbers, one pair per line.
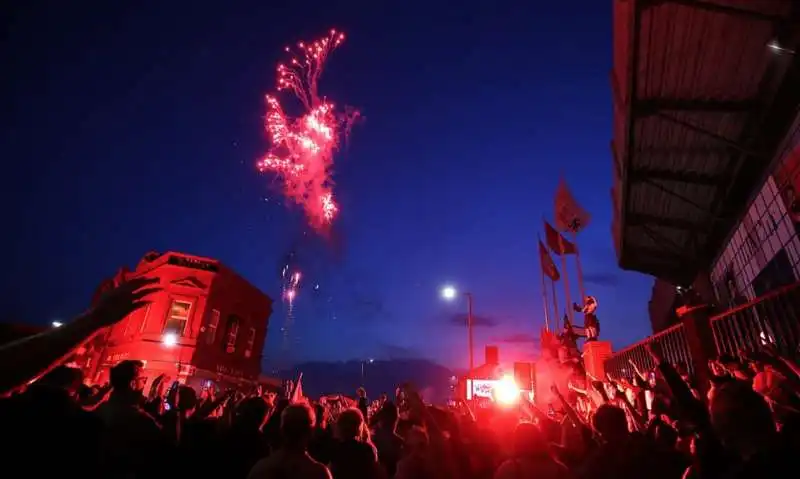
297, 393
556, 241
548, 267
569, 215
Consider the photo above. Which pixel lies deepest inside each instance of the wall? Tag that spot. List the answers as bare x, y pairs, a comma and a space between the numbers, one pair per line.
231, 295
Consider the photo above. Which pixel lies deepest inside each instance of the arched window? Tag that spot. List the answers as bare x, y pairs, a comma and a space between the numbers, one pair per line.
231, 333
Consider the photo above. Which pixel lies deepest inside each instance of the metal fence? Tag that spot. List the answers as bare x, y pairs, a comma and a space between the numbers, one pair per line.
673, 345
773, 318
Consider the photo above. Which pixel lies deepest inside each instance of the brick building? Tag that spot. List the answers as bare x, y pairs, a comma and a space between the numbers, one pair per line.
208, 324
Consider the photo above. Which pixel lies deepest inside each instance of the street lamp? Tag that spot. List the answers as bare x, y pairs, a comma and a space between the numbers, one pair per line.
449, 293
363, 372
57, 324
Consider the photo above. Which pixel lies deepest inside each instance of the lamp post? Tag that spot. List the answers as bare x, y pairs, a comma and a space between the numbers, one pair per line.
363, 370
450, 293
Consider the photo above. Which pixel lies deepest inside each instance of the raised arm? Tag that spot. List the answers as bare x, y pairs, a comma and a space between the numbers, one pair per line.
36, 355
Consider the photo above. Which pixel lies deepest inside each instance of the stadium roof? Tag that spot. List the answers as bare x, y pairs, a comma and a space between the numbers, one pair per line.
704, 93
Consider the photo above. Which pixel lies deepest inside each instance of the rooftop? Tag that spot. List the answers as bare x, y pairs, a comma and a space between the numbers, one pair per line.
704, 93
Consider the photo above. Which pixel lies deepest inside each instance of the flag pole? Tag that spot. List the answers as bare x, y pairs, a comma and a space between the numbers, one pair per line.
578, 264
568, 306
545, 304
555, 300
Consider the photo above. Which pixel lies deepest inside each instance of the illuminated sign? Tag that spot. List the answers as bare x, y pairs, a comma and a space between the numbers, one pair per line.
481, 388
503, 391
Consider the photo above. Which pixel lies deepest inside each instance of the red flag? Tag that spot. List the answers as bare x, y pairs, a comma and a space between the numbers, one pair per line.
569, 215
297, 394
556, 241
548, 267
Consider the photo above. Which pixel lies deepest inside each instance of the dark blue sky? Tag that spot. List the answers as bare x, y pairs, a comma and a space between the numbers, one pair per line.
133, 128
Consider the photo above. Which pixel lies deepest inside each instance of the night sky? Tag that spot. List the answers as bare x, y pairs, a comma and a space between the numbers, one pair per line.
135, 126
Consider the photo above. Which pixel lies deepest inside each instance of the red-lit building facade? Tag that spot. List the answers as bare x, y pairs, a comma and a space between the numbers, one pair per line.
208, 324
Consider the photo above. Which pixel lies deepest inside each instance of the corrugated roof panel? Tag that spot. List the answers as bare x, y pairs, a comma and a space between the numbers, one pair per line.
712, 70
691, 52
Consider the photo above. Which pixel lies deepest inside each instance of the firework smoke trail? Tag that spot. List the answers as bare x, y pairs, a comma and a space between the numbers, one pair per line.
303, 147
290, 288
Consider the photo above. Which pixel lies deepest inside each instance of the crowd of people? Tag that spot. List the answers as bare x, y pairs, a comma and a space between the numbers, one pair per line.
657, 424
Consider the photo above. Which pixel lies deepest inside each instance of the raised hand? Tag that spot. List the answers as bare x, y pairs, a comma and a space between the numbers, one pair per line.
121, 301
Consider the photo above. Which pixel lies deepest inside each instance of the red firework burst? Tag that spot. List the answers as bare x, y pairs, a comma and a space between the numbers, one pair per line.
302, 148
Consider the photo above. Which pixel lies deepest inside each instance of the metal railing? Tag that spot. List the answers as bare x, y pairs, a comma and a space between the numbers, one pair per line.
673, 345
773, 318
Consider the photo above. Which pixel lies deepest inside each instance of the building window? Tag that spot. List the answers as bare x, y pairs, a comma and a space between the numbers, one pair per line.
251, 339
178, 317
213, 323
231, 333
144, 318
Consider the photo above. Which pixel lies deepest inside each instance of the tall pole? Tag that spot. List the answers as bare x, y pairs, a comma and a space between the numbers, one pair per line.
555, 302
578, 263
469, 333
568, 306
545, 304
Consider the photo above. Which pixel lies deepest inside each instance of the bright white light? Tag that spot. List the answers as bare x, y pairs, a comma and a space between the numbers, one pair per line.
506, 391
449, 293
169, 340
57, 324
778, 49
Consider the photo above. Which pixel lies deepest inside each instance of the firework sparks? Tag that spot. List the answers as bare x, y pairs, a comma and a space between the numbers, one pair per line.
290, 285
303, 147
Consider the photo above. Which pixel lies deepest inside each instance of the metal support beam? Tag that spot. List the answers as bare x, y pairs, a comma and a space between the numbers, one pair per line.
679, 196
663, 266
703, 131
652, 254
668, 244
640, 174
640, 219
657, 261
724, 9
651, 106
684, 151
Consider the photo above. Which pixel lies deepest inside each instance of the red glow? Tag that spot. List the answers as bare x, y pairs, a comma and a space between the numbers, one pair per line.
506, 391
302, 148
214, 295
